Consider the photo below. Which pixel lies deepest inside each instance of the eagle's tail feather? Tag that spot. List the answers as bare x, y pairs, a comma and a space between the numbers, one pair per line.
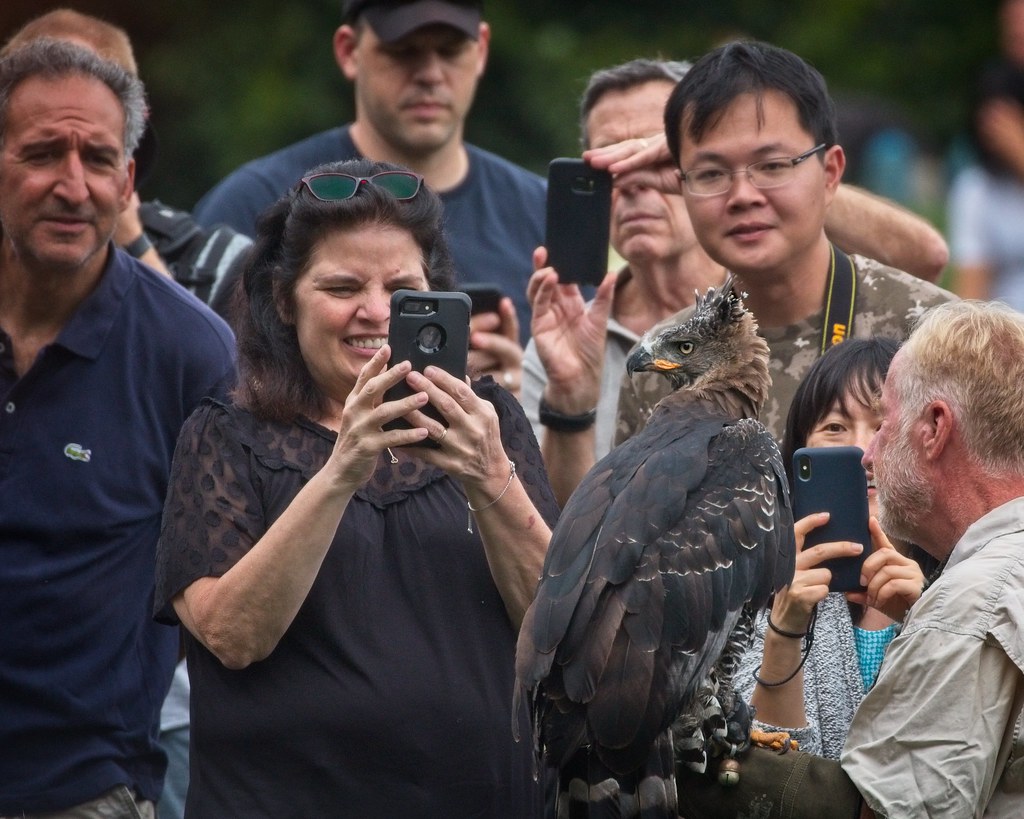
589, 789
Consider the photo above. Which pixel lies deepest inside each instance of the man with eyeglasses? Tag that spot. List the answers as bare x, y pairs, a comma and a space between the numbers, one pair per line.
415, 67
577, 353
751, 131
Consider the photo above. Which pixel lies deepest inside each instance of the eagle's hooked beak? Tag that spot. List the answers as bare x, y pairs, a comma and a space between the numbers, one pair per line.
643, 361
639, 361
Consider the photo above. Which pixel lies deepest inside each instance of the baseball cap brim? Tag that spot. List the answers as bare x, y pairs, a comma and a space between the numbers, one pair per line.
391, 23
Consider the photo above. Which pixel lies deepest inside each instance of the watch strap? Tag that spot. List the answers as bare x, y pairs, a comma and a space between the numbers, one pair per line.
560, 422
138, 247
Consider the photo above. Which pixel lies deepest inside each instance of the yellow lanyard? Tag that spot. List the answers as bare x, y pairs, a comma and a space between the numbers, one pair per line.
839, 296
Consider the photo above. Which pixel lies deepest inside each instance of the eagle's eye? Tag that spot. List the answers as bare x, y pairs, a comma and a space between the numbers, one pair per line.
686, 347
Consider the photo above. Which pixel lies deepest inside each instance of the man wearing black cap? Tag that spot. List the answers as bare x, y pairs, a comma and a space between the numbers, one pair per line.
415, 68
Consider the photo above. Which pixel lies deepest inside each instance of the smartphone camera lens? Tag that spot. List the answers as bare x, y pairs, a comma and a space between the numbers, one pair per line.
419, 307
804, 468
430, 338
583, 184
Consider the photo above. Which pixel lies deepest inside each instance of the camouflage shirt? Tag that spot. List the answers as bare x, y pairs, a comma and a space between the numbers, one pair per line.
888, 302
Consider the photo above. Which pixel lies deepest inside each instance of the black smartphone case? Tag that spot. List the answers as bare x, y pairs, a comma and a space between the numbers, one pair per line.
484, 297
579, 207
835, 482
427, 327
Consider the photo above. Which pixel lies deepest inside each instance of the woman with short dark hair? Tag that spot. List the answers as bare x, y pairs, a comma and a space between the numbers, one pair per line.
817, 652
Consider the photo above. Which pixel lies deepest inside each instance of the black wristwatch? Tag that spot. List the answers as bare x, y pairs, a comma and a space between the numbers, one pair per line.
560, 422
138, 247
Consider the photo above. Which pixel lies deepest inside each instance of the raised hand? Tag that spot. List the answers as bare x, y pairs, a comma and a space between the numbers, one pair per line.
570, 336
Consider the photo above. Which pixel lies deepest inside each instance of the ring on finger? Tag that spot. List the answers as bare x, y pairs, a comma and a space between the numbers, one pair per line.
440, 438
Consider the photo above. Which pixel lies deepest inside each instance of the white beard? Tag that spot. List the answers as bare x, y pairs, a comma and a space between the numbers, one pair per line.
904, 495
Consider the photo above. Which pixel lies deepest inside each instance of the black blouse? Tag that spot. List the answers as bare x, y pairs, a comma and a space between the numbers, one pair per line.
390, 693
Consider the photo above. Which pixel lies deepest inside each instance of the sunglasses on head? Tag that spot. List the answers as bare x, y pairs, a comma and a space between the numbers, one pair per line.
334, 187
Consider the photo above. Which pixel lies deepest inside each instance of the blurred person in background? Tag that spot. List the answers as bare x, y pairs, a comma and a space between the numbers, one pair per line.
986, 201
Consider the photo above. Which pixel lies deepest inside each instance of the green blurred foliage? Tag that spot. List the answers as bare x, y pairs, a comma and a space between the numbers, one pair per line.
229, 82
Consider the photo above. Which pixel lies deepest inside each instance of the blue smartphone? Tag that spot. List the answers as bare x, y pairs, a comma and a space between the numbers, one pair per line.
831, 479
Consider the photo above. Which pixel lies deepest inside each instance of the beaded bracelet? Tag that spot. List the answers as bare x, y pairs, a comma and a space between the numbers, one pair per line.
501, 494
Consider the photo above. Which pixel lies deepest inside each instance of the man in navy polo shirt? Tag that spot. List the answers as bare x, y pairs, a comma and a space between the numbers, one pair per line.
101, 361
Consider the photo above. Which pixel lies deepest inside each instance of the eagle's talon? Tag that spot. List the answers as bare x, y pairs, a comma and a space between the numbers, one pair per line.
774, 740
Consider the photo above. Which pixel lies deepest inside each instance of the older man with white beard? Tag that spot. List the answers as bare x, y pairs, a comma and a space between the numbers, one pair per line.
942, 733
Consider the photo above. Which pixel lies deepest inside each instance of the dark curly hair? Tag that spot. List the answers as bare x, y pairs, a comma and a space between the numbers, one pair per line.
274, 382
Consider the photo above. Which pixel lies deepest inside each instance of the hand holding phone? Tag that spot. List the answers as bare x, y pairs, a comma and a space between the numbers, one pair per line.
427, 327
831, 479
579, 207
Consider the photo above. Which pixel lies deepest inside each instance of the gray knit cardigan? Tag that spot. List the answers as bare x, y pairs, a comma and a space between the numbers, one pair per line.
832, 683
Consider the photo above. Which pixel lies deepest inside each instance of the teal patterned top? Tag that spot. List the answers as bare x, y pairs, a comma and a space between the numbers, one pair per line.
871, 647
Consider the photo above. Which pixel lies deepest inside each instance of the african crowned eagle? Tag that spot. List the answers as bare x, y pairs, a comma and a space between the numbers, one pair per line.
656, 568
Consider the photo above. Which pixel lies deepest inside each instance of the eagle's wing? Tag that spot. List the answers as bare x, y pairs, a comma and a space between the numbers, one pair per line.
653, 557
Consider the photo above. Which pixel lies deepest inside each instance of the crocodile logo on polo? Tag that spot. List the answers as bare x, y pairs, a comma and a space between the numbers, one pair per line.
76, 452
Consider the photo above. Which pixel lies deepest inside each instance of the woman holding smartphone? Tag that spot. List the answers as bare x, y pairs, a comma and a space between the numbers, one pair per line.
816, 652
351, 598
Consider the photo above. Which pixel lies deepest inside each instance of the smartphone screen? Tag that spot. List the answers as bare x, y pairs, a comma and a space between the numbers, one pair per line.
832, 479
579, 206
427, 327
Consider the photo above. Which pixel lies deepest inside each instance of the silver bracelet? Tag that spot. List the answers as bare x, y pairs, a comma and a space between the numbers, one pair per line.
501, 494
